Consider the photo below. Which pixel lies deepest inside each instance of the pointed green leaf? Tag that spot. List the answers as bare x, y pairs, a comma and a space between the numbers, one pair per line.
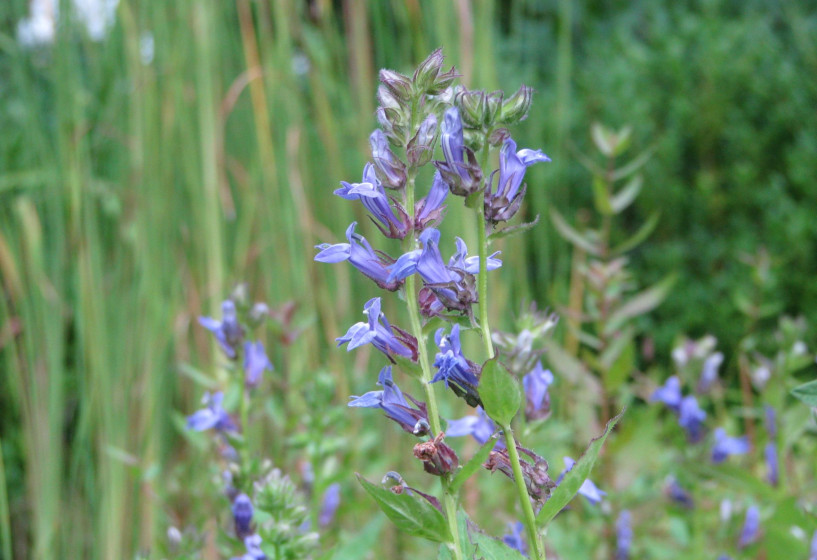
477, 544
641, 303
564, 363
473, 465
638, 237
408, 366
623, 198
499, 391
509, 231
575, 477
807, 393
571, 235
601, 198
411, 513
620, 370
634, 165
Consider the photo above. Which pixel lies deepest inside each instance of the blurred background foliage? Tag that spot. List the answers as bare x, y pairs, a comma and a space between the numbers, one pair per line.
197, 145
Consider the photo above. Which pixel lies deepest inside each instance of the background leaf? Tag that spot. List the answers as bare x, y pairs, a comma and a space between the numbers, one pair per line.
500, 392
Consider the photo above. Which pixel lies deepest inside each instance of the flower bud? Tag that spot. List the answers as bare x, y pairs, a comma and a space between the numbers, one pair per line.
387, 98
516, 107
472, 105
393, 124
426, 74
397, 84
421, 146
493, 106
390, 170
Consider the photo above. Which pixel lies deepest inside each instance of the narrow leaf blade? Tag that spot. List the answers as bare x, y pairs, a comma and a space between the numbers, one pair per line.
572, 235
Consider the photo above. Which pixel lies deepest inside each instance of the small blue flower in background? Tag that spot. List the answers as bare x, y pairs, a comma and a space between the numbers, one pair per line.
677, 493
691, 418
588, 488
709, 372
770, 420
812, 555
536, 384
669, 393
751, 527
371, 193
452, 366
212, 416
361, 255
331, 501
725, 446
624, 535
380, 334
392, 401
514, 537
392, 170
503, 203
242, 515
253, 545
480, 427
228, 331
255, 362
770, 456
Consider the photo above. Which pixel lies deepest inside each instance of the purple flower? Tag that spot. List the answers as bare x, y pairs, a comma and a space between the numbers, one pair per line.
812, 555
253, 545
536, 385
709, 373
677, 493
588, 488
242, 515
515, 539
212, 416
770, 455
391, 170
461, 260
463, 177
725, 446
459, 373
380, 334
770, 419
502, 204
624, 535
228, 331
480, 427
691, 418
331, 501
371, 193
669, 393
362, 256
255, 362
429, 209
751, 527
392, 401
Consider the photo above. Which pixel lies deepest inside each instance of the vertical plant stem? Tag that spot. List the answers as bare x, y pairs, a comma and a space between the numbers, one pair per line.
537, 549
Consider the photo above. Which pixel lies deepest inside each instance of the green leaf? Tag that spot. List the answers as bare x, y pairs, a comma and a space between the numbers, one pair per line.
634, 165
638, 237
476, 544
408, 366
575, 477
499, 391
807, 393
411, 513
618, 360
473, 464
640, 304
573, 236
509, 231
601, 198
623, 198
564, 363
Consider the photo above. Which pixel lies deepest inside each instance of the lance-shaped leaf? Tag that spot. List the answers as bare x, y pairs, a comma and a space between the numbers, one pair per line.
634, 165
641, 303
575, 477
638, 237
601, 197
408, 366
807, 393
509, 231
570, 234
473, 464
500, 392
623, 198
411, 513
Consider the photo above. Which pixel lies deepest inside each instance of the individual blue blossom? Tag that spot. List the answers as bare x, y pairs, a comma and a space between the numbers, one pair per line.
330, 503
255, 362
458, 373
725, 446
460, 260
361, 255
391, 170
212, 416
242, 515
677, 493
709, 372
253, 545
588, 489
669, 393
392, 341
370, 192
536, 384
770, 420
751, 527
392, 401
228, 331
503, 203
463, 177
691, 418
772, 467
429, 209
515, 539
480, 427
624, 535
812, 555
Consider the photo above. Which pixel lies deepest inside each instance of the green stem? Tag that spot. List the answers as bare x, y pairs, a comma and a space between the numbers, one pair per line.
482, 280
537, 549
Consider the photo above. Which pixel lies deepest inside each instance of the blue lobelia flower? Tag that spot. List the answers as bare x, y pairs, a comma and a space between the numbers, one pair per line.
212, 416
392, 170
459, 373
709, 372
463, 177
515, 539
751, 527
772, 467
536, 384
691, 418
480, 427
503, 203
392, 341
373, 196
460, 260
255, 362
392, 401
669, 393
362, 256
329, 505
429, 209
770, 420
253, 545
725, 446
677, 493
812, 555
242, 515
588, 488
228, 331
624, 535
